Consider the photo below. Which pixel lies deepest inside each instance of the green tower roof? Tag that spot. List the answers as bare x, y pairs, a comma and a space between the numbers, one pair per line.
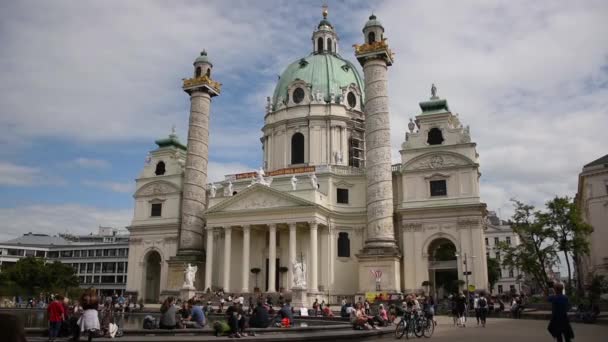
171, 140
373, 21
327, 73
203, 58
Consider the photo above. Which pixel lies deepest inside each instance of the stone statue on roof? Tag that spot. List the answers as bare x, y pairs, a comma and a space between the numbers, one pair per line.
433, 91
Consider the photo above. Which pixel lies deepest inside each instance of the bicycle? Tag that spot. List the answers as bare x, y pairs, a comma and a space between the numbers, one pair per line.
407, 325
424, 326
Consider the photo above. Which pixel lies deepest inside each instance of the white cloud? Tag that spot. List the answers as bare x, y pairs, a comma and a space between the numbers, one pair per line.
20, 175
54, 219
90, 163
127, 187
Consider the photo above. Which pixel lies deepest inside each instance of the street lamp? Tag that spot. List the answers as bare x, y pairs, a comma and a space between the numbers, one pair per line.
466, 268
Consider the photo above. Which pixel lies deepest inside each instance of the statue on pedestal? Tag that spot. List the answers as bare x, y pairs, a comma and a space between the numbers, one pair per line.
190, 274
313, 181
294, 183
299, 275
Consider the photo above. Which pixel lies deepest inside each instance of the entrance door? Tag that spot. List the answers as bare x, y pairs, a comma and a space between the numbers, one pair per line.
152, 278
276, 275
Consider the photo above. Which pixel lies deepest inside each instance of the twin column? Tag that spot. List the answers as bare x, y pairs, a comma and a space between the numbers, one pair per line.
272, 255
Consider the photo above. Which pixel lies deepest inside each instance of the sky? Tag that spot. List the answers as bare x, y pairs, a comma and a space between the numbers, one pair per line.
87, 86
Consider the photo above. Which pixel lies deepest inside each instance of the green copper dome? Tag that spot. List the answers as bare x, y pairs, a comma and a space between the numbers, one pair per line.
326, 72
373, 21
202, 58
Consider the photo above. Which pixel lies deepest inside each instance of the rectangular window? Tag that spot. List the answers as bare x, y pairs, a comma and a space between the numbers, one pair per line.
98, 252
497, 256
439, 188
111, 252
508, 240
343, 245
342, 195
106, 252
66, 254
119, 279
512, 288
89, 279
109, 267
83, 268
156, 209
486, 241
499, 289
91, 253
107, 279
30, 253
77, 254
15, 252
121, 267
96, 279
81, 279
52, 255
90, 267
97, 267
40, 254
510, 273
496, 241
121, 252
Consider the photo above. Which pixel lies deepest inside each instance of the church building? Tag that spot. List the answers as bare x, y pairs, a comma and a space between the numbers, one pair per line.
327, 197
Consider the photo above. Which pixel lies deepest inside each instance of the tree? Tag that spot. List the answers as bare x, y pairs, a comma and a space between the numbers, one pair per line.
29, 274
60, 277
569, 231
536, 252
494, 272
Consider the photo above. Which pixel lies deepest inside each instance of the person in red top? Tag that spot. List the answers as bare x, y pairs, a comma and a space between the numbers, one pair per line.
56, 314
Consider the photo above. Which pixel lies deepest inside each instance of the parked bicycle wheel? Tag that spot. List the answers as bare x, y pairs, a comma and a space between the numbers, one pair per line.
429, 328
410, 331
400, 329
419, 326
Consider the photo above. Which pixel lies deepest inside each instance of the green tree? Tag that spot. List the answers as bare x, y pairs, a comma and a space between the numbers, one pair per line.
569, 231
60, 277
536, 252
493, 272
29, 274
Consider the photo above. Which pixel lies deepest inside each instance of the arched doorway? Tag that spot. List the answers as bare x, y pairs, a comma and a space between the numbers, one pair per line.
152, 277
443, 267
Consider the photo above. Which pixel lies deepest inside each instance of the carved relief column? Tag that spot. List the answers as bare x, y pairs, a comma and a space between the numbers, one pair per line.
245, 263
209, 259
292, 252
313, 257
272, 257
227, 254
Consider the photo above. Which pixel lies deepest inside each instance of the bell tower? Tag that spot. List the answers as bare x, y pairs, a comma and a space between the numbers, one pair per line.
380, 255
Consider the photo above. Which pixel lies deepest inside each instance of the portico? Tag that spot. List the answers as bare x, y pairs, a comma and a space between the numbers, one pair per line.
243, 242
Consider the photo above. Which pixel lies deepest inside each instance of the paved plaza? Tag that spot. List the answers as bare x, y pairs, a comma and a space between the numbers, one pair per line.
503, 329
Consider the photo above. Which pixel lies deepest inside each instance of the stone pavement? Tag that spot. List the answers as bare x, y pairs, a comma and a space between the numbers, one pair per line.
507, 330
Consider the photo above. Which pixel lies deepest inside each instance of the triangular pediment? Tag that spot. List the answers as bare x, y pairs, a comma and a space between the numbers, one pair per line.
259, 197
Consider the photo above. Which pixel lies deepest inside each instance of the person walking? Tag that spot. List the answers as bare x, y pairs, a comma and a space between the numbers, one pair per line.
559, 325
482, 307
461, 308
476, 308
56, 314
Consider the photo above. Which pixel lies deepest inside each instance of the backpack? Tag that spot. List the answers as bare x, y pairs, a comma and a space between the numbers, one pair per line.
482, 303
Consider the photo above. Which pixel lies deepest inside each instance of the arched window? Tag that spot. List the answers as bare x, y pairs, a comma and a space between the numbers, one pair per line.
208, 73
160, 168
343, 245
435, 137
320, 45
329, 44
297, 148
371, 37
198, 71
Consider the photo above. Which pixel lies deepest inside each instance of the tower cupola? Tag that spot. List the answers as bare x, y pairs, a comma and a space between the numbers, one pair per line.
325, 39
202, 65
373, 30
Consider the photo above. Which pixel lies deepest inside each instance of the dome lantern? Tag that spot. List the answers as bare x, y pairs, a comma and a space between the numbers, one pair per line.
325, 39
373, 30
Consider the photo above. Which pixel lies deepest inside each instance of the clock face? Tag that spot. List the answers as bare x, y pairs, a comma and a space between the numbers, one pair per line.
352, 99
298, 95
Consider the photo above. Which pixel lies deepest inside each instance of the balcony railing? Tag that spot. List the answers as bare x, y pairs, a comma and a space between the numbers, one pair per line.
201, 81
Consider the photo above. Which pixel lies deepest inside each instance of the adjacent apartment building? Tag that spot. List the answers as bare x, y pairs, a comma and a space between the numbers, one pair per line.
499, 231
99, 260
592, 200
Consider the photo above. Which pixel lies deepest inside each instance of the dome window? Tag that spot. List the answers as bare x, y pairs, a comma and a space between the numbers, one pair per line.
198, 72
320, 45
298, 95
329, 44
435, 137
303, 62
297, 148
352, 99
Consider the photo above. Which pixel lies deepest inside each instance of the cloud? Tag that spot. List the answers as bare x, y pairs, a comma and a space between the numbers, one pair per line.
20, 175
90, 163
127, 187
54, 219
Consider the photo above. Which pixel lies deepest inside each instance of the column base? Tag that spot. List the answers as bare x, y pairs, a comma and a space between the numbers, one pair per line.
186, 293
371, 263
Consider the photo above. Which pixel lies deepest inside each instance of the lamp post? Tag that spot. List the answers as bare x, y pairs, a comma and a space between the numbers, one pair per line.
466, 269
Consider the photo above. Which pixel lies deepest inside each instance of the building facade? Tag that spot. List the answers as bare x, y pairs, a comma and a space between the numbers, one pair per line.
592, 200
326, 196
99, 260
500, 232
